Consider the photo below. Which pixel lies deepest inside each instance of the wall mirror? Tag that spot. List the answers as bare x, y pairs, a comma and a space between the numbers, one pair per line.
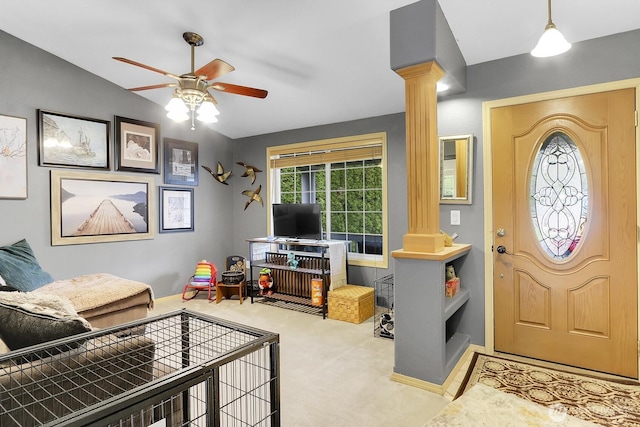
456, 169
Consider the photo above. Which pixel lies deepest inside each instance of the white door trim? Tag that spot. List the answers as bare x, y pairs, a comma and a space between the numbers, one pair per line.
487, 106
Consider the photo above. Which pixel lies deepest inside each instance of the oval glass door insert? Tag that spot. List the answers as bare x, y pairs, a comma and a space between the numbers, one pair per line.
559, 198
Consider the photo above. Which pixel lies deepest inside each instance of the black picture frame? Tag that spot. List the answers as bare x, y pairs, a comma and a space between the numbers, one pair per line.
176, 209
180, 162
72, 141
136, 145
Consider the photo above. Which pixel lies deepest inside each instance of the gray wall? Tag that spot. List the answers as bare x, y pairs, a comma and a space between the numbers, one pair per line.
221, 224
32, 79
596, 61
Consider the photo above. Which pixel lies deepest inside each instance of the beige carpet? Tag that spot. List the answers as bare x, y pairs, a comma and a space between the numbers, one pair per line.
603, 402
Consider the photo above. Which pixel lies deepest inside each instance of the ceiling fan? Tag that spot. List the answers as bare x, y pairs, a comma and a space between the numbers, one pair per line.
192, 90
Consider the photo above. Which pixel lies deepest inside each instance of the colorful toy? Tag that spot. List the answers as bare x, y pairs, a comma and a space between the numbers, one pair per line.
204, 272
292, 262
265, 282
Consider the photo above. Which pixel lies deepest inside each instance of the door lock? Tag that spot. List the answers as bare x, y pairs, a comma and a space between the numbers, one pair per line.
500, 232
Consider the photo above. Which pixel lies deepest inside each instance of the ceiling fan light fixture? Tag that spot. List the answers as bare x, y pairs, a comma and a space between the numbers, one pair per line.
552, 42
176, 105
178, 116
207, 112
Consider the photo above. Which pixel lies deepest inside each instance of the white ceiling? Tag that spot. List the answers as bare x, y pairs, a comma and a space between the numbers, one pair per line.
321, 61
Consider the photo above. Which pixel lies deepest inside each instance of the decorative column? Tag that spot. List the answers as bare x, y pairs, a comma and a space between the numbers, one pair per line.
423, 188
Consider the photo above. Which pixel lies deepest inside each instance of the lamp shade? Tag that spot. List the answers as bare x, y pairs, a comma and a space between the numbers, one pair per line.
207, 112
551, 43
176, 105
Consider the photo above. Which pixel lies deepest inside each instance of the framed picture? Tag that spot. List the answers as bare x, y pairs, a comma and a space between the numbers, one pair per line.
136, 145
180, 162
93, 207
176, 209
72, 141
13, 157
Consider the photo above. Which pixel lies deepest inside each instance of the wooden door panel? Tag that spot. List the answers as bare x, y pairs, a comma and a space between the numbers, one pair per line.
532, 301
578, 306
589, 308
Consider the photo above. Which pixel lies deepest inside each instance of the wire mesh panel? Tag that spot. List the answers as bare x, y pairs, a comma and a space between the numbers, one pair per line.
178, 369
383, 320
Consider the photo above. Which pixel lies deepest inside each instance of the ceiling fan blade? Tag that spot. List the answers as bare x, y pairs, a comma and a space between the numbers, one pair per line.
147, 67
162, 85
239, 90
214, 69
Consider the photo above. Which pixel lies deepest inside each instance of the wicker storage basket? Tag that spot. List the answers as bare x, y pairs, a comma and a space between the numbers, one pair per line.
351, 303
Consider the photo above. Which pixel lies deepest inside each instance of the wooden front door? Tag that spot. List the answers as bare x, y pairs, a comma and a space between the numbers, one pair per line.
564, 214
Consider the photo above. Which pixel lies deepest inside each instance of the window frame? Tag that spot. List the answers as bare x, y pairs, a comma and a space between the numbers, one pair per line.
328, 151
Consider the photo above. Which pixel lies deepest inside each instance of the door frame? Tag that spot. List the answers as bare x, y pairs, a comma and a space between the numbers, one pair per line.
487, 107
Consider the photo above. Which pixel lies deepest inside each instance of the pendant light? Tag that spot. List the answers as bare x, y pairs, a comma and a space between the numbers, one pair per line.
552, 41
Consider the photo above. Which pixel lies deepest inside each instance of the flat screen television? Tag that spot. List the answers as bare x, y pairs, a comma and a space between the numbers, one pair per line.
297, 220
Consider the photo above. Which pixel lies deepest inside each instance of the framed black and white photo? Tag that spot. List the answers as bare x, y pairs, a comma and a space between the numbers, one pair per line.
73, 141
13, 157
176, 209
136, 145
180, 162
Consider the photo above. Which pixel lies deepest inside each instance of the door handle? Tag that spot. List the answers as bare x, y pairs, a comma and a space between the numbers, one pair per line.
501, 250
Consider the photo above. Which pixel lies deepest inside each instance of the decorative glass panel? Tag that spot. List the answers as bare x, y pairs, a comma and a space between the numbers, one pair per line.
559, 196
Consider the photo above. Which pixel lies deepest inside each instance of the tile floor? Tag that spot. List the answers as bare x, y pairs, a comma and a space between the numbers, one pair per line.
333, 373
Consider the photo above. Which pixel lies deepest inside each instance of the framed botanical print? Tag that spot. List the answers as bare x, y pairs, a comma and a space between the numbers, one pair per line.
13, 157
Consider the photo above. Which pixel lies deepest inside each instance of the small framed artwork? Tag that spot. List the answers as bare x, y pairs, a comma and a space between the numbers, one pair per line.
71, 141
176, 209
93, 207
180, 162
136, 145
13, 157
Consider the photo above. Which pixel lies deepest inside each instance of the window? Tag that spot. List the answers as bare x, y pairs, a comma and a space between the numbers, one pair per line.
347, 177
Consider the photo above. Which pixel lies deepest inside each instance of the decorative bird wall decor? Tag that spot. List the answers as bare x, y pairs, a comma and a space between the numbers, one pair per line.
249, 171
220, 176
253, 195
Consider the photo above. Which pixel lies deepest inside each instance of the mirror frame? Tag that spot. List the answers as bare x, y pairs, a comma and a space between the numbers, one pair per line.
467, 139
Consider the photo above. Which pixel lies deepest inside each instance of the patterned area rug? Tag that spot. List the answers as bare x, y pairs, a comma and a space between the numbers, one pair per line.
603, 402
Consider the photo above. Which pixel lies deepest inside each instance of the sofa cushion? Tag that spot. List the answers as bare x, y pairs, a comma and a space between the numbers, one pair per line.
28, 319
20, 268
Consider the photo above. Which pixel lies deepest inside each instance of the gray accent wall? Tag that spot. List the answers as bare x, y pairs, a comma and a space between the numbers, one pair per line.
595, 61
32, 79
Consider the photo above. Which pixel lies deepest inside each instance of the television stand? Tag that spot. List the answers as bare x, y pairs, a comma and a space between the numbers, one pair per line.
294, 285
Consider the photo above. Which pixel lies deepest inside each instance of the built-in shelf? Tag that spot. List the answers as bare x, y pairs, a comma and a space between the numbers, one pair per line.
451, 305
443, 337
454, 348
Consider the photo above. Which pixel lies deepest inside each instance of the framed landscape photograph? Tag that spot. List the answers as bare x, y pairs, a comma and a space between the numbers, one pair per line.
71, 141
136, 145
180, 162
91, 207
176, 209
13, 157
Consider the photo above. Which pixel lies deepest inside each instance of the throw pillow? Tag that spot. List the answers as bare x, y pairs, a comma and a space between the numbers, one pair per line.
28, 319
20, 268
